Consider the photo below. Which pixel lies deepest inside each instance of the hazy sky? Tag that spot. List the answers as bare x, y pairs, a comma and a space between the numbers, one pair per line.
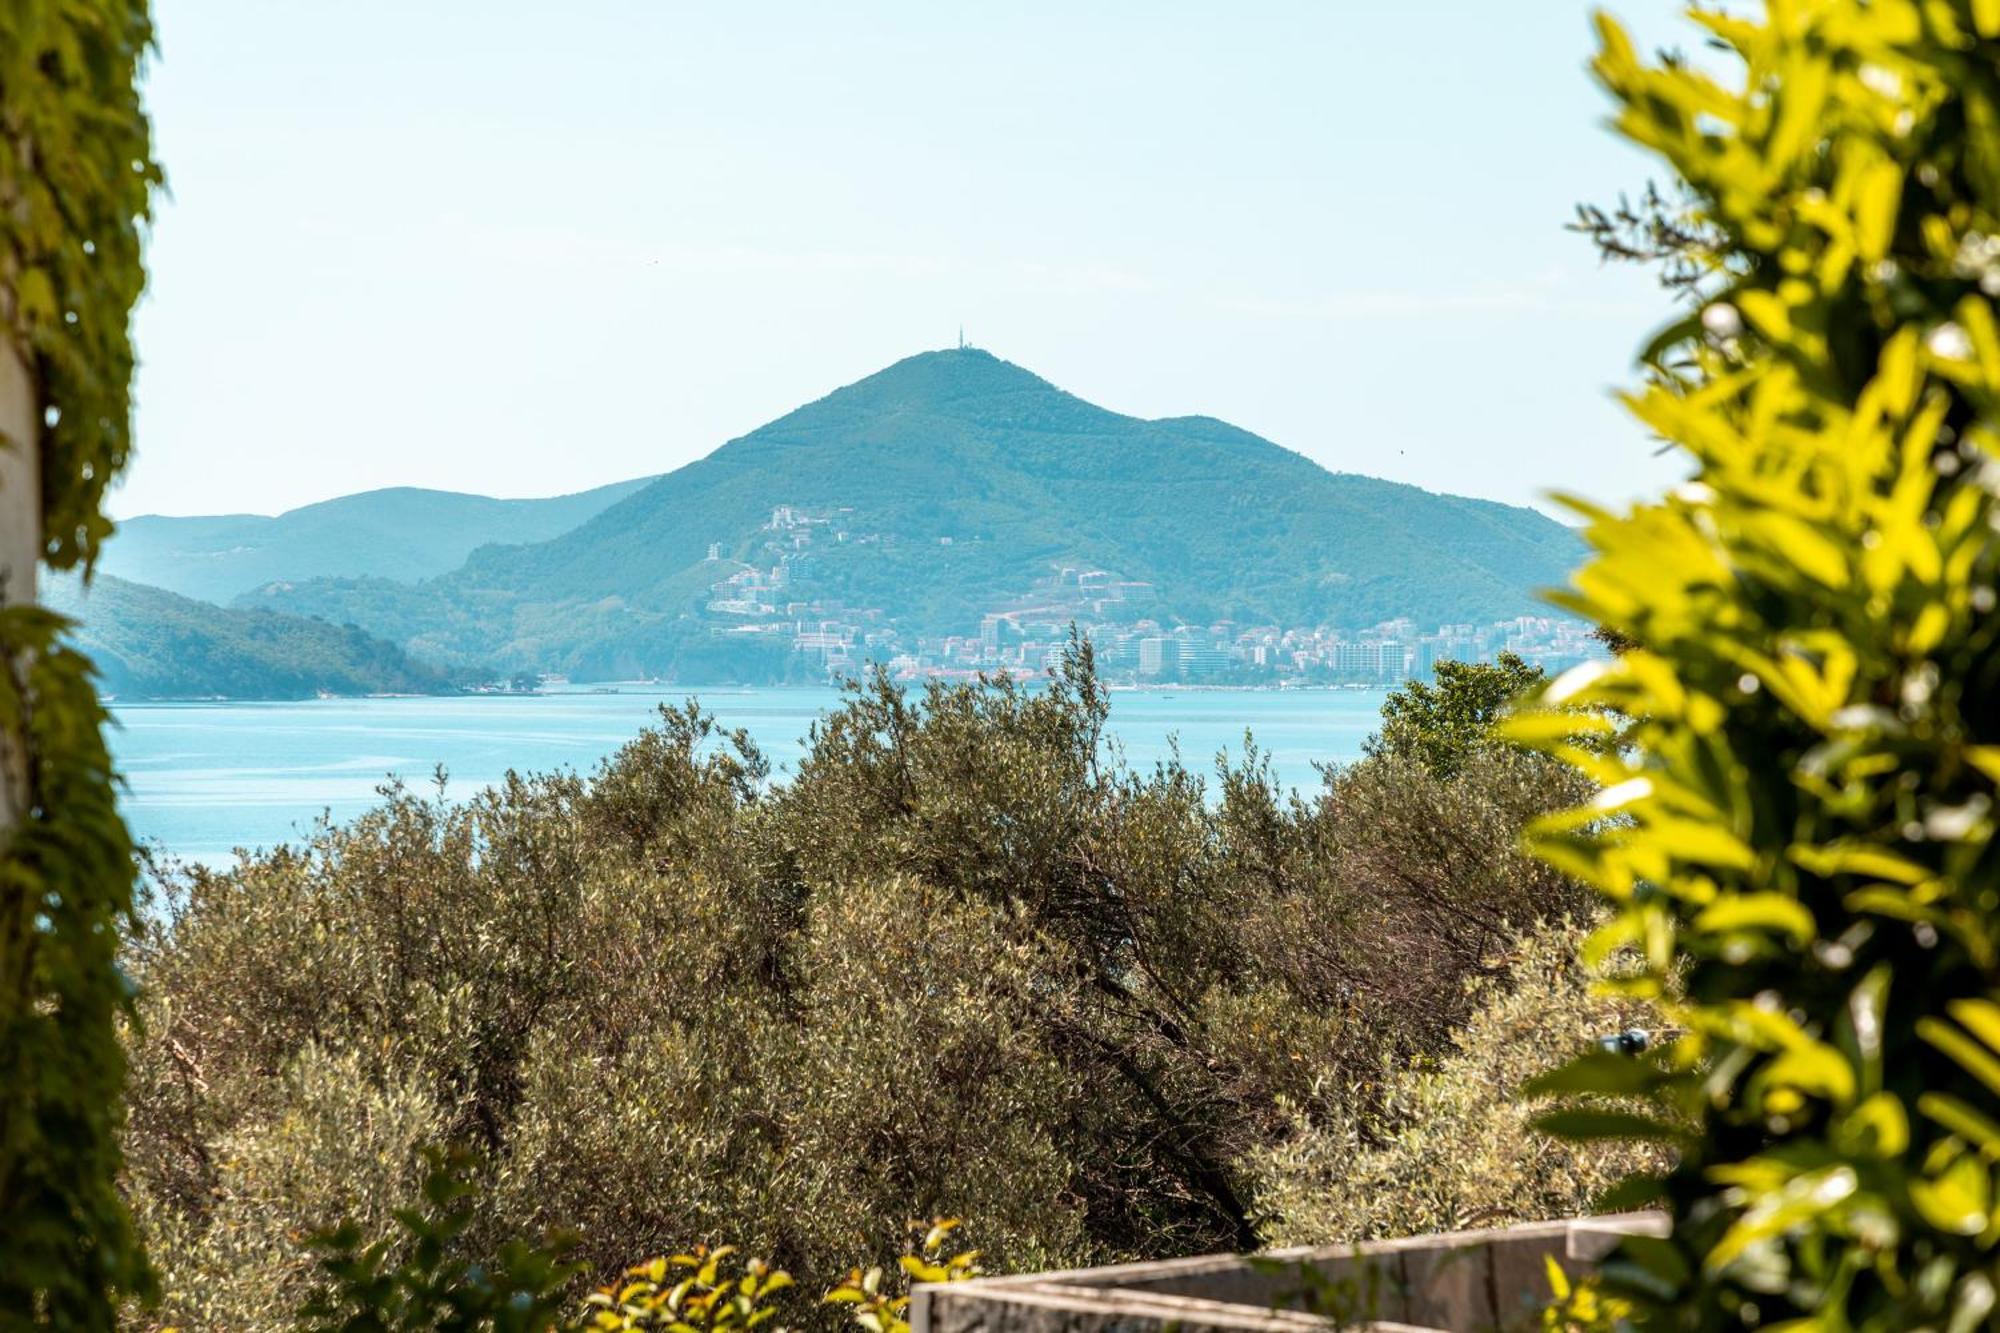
528, 248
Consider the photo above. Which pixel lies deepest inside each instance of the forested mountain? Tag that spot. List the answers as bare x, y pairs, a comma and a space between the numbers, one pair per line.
947, 485
402, 532
149, 643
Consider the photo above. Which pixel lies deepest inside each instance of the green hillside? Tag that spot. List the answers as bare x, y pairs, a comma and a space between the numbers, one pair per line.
958, 481
149, 643
400, 533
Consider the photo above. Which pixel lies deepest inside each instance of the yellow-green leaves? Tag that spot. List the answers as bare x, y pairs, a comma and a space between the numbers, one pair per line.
1958, 1197
932, 1264
880, 1310
1878, 191
1580, 1307
1795, 832
1802, 545
1971, 1043
1763, 913
1783, 1200
1878, 1127
695, 1292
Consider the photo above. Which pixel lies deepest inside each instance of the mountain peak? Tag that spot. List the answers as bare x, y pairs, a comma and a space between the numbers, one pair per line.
907, 507
947, 374
961, 384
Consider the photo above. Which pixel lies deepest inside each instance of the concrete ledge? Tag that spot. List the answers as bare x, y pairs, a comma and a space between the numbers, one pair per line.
1461, 1280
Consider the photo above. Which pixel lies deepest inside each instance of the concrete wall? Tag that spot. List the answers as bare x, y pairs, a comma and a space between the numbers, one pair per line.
1467, 1280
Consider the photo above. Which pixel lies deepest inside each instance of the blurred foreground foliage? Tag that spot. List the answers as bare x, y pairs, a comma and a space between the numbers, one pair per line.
1796, 824
77, 178
962, 962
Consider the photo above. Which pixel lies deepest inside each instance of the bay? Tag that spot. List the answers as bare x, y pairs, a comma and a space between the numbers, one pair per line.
205, 778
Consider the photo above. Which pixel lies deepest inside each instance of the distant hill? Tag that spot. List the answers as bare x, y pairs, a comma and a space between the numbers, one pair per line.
947, 485
149, 643
399, 533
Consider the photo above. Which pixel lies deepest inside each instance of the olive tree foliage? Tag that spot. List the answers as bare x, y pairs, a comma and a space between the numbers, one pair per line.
76, 181
1798, 823
1439, 724
1661, 230
1450, 1142
962, 962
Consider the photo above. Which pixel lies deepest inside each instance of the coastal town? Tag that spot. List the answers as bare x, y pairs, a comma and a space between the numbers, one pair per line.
770, 600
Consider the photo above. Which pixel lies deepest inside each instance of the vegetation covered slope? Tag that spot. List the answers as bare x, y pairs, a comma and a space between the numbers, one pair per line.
1022, 479
150, 643
402, 532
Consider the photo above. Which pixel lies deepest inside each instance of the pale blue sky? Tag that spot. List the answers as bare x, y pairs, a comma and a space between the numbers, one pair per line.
527, 248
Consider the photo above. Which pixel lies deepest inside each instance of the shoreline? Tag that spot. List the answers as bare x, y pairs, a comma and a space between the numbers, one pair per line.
637, 687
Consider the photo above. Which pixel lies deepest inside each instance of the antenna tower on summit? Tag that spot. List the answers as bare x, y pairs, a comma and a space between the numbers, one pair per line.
961, 337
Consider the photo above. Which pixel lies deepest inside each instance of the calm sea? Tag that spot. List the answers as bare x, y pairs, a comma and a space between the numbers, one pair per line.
205, 778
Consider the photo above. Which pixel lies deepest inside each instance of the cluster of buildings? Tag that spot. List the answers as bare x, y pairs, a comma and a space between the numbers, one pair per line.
768, 603
1225, 653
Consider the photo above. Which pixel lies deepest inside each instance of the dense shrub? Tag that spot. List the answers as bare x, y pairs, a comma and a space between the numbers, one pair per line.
336, 1144
1439, 725
964, 963
1449, 1142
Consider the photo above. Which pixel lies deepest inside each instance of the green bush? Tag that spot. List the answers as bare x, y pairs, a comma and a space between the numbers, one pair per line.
1440, 725
962, 964
417, 1280
1449, 1142
333, 1144
1798, 821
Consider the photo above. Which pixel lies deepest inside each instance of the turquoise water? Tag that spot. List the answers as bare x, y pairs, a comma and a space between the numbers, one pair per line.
205, 778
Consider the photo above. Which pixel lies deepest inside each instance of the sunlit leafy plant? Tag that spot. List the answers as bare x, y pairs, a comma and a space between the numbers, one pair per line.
881, 1308
1796, 818
696, 1292
1579, 1307
430, 1275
